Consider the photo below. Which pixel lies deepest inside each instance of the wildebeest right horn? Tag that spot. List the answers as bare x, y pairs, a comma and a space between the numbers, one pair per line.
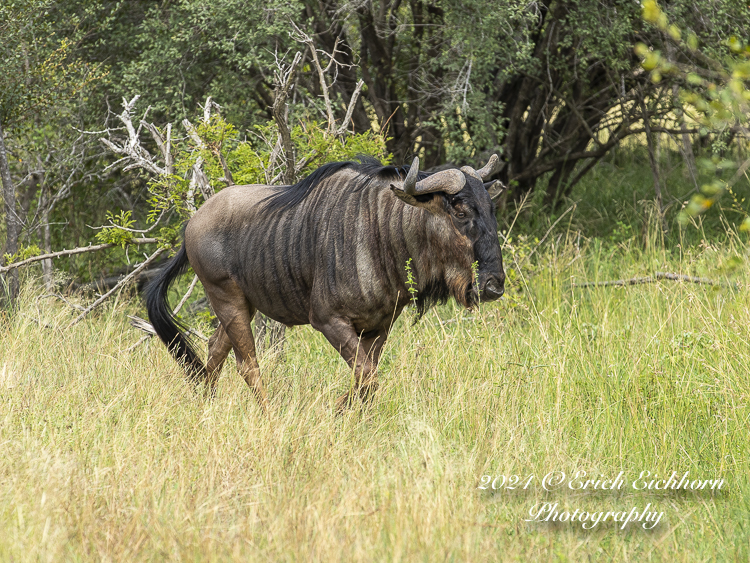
490, 168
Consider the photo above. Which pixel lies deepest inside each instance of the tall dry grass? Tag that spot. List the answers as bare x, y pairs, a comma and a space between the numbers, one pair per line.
109, 455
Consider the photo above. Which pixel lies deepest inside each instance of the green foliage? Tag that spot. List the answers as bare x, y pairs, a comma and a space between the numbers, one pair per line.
169, 237
411, 283
38, 69
116, 233
316, 146
22, 254
178, 53
442, 79
622, 232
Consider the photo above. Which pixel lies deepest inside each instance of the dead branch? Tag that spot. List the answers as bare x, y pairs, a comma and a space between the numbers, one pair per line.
165, 145
142, 324
301, 37
350, 110
215, 148
147, 327
124, 281
193, 133
71, 252
284, 78
228, 179
185, 297
651, 279
131, 149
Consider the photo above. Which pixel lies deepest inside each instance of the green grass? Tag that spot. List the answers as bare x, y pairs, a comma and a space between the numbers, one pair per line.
109, 454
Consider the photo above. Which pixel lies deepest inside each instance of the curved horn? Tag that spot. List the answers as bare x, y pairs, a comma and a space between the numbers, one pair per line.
449, 181
471, 172
411, 177
490, 168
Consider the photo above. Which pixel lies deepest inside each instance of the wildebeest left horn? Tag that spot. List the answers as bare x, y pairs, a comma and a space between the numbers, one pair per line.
411, 177
449, 181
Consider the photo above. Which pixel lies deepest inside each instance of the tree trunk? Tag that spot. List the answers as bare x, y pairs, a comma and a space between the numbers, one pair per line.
654, 165
12, 223
46, 240
687, 144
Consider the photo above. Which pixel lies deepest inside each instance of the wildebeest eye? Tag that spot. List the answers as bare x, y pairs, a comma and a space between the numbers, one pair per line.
460, 214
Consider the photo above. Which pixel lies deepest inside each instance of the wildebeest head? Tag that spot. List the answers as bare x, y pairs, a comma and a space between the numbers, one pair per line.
463, 199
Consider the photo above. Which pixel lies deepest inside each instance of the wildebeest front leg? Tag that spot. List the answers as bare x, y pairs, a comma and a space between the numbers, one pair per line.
235, 315
360, 352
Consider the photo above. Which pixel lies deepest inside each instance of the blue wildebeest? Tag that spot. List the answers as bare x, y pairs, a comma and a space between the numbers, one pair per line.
331, 251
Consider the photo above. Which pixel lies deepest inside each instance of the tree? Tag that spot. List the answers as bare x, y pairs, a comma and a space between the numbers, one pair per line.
38, 72
714, 86
553, 84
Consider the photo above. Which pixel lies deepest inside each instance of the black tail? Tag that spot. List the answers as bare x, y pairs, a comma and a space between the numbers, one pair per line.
166, 326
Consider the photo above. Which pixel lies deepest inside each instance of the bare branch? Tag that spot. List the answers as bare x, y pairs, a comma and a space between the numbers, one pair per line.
61, 298
228, 179
207, 109
284, 78
141, 341
185, 297
71, 252
193, 133
163, 144
142, 324
301, 37
131, 148
350, 110
198, 180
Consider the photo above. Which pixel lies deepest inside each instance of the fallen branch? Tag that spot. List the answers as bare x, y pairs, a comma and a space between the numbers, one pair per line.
142, 324
71, 252
651, 279
125, 280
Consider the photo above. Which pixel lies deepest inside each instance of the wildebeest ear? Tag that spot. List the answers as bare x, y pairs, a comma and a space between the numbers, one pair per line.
430, 201
403, 196
495, 188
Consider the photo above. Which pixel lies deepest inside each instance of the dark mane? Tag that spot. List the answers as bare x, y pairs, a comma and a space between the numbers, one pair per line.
369, 169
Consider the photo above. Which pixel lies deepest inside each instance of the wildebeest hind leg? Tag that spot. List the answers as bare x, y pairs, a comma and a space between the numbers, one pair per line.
362, 354
235, 315
219, 346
